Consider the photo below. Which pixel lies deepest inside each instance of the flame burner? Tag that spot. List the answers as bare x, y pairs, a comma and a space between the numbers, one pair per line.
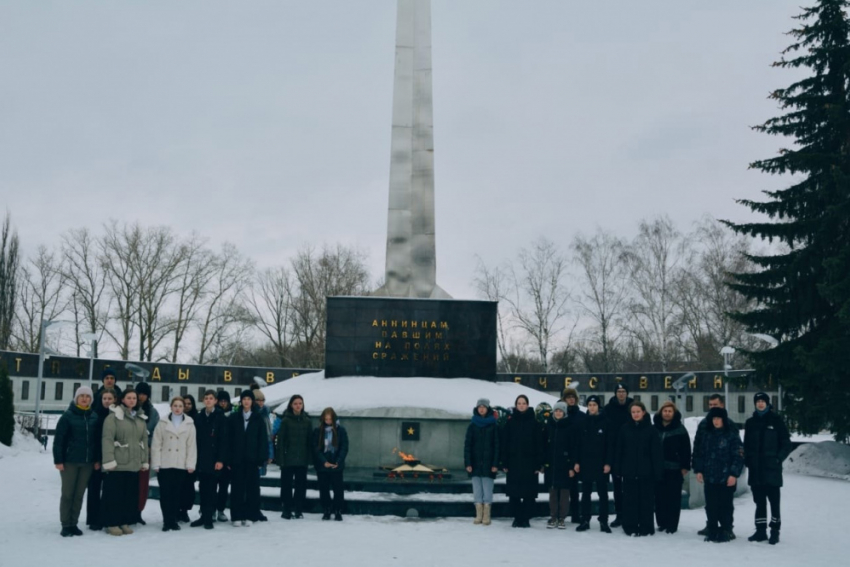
412, 469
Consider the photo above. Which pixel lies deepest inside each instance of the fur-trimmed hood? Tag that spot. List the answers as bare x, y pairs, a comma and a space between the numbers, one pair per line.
119, 412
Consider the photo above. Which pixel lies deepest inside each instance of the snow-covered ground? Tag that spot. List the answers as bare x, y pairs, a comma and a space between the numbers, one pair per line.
815, 513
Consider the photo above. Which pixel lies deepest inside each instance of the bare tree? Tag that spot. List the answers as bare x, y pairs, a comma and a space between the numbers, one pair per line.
85, 274
539, 295
604, 293
224, 317
41, 298
655, 258
192, 277
494, 284
8, 280
270, 305
116, 248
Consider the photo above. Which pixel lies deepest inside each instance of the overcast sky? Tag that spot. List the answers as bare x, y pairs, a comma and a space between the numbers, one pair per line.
267, 123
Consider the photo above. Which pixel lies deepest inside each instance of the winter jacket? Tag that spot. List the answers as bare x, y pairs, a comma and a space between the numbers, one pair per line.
561, 451
720, 454
153, 418
675, 443
246, 446
521, 450
76, 438
638, 453
337, 456
704, 427
266, 413
174, 448
481, 445
766, 444
125, 441
293, 446
617, 415
595, 446
211, 440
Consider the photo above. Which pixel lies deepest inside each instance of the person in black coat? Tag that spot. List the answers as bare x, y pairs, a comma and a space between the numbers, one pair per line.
187, 493
481, 458
676, 446
561, 451
638, 460
93, 503
247, 451
330, 448
107, 379
766, 444
595, 454
211, 439
522, 460
75, 456
718, 463
617, 414
575, 417
223, 480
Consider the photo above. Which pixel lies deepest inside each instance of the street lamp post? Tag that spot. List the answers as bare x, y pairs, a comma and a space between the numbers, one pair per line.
91, 338
727, 353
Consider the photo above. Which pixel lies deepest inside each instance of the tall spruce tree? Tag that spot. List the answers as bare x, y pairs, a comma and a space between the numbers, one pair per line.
802, 295
7, 407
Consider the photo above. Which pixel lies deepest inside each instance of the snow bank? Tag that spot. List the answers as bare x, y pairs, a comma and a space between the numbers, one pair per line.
21, 443
398, 397
827, 459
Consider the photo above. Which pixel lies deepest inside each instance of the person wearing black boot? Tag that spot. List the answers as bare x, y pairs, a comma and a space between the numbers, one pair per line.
223, 478
766, 444
575, 417
639, 461
617, 414
187, 493
247, 451
174, 455
560, 453
522, 460
93, 503
718, 462
143, 391
211, 439
293, 452
330, 448
676, 445
595, 452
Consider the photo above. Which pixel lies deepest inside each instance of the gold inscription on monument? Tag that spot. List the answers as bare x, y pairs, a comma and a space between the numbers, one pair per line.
424, 342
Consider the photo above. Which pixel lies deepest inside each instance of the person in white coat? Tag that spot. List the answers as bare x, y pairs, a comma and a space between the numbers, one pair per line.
173, 455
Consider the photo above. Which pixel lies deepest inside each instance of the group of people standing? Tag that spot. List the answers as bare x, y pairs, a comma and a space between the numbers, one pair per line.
107, 442
647, 457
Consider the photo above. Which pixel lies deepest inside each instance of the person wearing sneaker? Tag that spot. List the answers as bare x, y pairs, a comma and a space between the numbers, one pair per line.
521, 454
75, 456
294, 453
676, 445
595, 453
718, 463
174, 454
617, 414
559, 470
766, 444
639, 461
330, 448
223, 478
211, 440
124, 445
481, 458
247, 452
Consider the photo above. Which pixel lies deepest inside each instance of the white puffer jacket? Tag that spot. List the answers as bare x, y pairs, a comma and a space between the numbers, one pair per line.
174, 448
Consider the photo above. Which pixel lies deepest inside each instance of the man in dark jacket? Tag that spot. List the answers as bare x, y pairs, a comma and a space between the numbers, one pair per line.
211, 439
766, 444
704, 426
617, 414
223, 479
247, 451
595, 453
575, 419
107, 379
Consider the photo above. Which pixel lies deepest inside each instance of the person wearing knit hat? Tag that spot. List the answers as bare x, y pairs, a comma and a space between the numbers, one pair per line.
595, 456
481, 458
569, 393
75, 451
560, 457
718, 462
143, 392
617, 414
223, 478
260, 403
703, 428
766, 444
107, 378
248, 451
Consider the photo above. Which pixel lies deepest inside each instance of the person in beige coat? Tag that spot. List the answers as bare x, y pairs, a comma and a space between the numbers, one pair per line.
125, 453
173, 456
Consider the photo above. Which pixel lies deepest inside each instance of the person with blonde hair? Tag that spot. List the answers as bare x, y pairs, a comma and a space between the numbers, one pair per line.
174, 455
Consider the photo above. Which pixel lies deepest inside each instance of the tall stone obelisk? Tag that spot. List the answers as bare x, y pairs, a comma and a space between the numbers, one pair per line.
411, 267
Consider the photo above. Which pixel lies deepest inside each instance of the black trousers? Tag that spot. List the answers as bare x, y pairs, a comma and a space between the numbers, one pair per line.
223, 481
618, 494
187, 492
521, 508
244, 492
293, 477
574, 501
171, 484
668, 500
761, 495
331, 480
718, 506
587, 485
207, 486
638, 506
93, 501
120, 498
